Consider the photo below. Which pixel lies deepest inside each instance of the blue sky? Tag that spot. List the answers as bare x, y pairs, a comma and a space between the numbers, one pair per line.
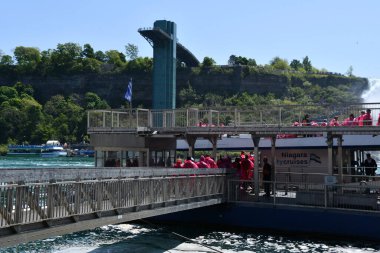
334, 34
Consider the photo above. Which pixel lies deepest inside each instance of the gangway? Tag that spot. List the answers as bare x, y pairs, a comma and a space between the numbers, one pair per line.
48, 204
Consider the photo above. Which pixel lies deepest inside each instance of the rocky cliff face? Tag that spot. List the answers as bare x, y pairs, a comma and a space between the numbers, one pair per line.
222, 81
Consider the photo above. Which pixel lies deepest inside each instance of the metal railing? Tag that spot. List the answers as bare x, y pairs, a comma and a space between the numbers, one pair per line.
49, 175
267, 116
359, 196
30, 203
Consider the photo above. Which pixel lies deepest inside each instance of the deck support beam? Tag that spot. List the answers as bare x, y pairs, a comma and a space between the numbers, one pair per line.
214, 141
191, 142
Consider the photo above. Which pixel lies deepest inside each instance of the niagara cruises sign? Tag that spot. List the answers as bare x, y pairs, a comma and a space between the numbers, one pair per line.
299, 158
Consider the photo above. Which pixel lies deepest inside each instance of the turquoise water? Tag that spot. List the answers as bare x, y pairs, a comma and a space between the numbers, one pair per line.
27, 162
136, 237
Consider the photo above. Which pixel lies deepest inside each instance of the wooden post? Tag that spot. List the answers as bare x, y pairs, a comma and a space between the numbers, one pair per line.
191, 142
214, 141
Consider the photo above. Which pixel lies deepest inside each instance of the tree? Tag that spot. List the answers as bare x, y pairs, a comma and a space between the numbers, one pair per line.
24, 89
349, 71
307, 64
240, 60
88, 51
208, 62
232, 60
91, 65
45, 65
132, 51
114, 57
7, 93
278, 63
143, 64
188, 97
66, 57
27, 58
93, 101
100, 56
296, 64
6, 60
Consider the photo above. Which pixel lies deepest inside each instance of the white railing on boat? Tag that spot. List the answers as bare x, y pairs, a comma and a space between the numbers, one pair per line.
265, 116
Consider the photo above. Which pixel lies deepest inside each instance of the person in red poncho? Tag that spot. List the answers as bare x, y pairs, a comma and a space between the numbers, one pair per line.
359, 119
189, 163
202, 163
350, 121
178, 163
247, 169
367, 118
211, 162
334, 121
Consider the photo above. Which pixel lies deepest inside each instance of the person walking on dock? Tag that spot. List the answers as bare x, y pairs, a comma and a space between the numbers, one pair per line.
267, 176
370, 165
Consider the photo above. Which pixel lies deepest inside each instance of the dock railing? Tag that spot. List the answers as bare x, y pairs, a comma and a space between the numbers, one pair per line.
303, 190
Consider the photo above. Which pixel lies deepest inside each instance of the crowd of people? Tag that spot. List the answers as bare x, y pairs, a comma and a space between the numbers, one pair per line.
244, 164
205, 161
364, 119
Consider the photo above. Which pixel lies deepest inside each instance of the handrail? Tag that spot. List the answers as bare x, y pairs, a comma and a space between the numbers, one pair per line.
260, 116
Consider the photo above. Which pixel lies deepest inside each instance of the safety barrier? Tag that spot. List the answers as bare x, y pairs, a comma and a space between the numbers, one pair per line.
360, 196
270, 116
30, 203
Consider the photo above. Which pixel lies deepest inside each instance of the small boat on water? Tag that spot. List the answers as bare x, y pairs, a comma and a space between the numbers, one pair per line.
24, 150
53, 149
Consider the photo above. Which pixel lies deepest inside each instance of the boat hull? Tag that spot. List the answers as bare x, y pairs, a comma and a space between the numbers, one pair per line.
54, 154
319, 222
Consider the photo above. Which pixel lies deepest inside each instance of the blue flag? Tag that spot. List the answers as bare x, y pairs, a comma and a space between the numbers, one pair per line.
128, 93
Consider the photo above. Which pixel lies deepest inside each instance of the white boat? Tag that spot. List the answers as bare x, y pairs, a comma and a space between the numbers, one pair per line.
53, 149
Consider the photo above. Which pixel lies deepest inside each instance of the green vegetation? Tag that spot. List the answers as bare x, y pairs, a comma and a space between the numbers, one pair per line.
24, 119
72, 58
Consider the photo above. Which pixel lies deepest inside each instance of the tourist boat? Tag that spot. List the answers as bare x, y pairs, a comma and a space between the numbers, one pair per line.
24, 150
316, 169
53, 149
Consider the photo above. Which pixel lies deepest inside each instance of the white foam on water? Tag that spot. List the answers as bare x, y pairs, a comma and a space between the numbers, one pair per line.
77, 250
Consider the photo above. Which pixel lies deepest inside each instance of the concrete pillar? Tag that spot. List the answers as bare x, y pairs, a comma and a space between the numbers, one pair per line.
329, 142
256, 141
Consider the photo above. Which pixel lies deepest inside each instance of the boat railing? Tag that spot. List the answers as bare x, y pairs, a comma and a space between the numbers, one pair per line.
259, 116
308, 177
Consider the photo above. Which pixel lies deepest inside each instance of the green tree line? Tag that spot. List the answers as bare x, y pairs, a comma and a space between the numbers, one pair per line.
72, 58
25, 120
